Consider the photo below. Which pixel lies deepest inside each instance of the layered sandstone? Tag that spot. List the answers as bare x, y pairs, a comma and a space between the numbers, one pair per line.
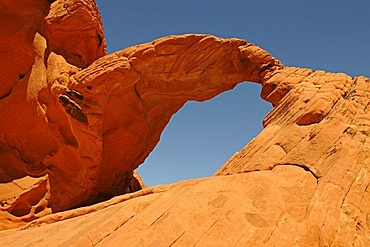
83, 131
89, 120
320, 123
236, 210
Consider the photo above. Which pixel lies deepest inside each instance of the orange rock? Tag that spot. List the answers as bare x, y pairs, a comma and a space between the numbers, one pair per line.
236, 210
303, 181
84, 131
75, 31
320, 123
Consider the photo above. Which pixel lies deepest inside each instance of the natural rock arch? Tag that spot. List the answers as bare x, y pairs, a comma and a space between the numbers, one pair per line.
303, 181
84, 130
202, 136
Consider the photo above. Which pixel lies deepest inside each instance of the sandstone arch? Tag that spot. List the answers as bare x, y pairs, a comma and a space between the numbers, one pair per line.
202, 136
84, 130
303, 181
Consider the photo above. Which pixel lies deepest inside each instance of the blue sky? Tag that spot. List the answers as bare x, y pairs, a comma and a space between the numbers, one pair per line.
318, 34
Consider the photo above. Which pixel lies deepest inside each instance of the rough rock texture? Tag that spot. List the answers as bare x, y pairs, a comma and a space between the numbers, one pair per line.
321, 123
75, 31
72, 136
235, 210
303, 181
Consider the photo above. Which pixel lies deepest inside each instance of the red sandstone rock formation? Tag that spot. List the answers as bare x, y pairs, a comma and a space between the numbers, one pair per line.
302, 182
71, 136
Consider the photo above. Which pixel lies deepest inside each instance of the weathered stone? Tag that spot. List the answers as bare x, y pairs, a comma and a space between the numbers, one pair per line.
320, 123
303, 181
75, 31
236, 210
86, 130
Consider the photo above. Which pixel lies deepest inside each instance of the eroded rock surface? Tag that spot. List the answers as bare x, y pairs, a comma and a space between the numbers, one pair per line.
303, 181
235, 210
320, 122
75, 135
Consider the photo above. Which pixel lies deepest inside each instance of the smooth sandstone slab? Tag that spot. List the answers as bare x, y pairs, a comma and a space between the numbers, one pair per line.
251, 209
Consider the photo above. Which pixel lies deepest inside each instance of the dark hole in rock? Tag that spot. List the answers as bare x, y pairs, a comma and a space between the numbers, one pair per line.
21, 209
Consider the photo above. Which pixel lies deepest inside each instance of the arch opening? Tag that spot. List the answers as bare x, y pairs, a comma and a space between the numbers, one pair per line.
202, 136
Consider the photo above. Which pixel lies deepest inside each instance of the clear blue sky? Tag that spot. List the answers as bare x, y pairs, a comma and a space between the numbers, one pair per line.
333, 35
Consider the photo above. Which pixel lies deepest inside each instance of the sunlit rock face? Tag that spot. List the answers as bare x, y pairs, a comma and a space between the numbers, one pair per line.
321, 124
76, 122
